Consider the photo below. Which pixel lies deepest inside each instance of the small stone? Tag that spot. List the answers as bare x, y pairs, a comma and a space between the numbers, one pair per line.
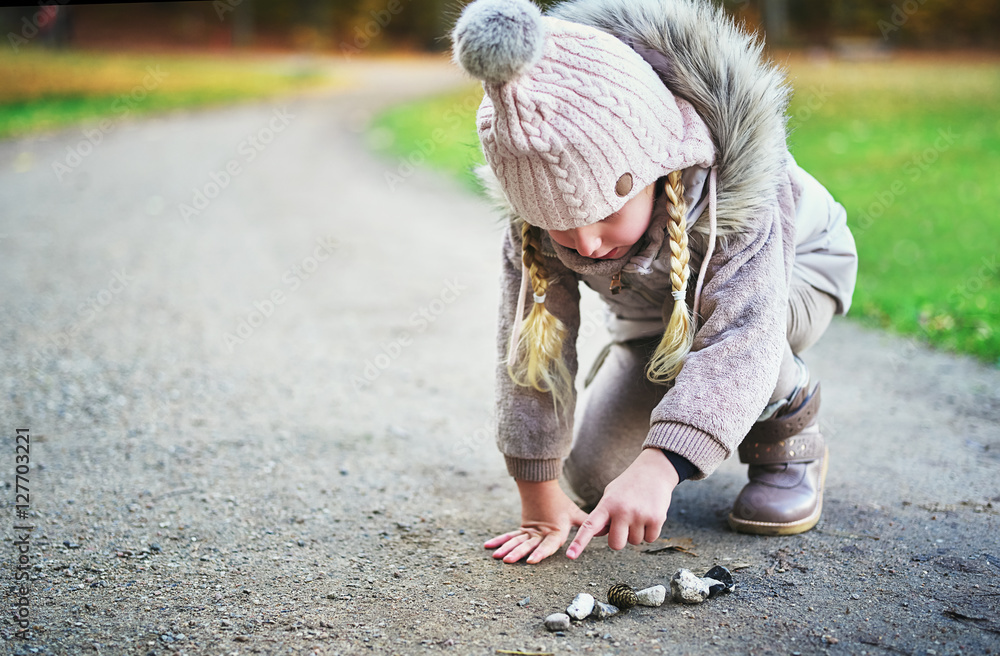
723, 576
582, 606
715, 588
687, 588
557, 622
653, 596
603, 611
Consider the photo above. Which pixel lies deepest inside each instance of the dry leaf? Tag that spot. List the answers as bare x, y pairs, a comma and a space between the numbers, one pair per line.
682, 545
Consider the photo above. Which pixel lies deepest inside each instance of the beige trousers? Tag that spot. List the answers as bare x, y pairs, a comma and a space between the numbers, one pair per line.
616, 406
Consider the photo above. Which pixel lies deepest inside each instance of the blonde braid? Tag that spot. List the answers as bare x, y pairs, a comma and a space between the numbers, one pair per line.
668, 359
539, 363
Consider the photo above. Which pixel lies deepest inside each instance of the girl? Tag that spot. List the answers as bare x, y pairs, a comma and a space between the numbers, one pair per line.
639, 146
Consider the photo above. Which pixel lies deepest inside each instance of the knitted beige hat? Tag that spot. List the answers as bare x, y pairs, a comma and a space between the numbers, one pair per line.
574, 122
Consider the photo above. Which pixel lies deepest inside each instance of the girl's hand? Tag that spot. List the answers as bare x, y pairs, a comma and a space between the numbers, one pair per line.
634, 505
546, 517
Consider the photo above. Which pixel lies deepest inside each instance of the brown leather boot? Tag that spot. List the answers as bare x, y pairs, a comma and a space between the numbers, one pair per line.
787, 458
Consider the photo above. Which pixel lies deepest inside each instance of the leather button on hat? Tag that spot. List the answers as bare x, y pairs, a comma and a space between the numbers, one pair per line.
624, 184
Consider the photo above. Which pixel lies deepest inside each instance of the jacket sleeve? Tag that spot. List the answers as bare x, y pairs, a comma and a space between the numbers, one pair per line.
733, 367
825, 254
532, 438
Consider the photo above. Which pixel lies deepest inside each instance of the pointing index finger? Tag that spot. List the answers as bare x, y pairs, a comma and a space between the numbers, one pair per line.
596, 522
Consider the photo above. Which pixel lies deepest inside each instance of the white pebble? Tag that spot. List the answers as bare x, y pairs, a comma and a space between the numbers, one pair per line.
557, 622
581, 607
653, 596
687, 588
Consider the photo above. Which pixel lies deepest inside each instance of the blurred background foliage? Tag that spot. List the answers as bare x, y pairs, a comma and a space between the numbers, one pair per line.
380, 25
904, 133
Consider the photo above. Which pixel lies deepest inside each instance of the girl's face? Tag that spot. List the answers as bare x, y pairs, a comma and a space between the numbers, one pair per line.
613, 236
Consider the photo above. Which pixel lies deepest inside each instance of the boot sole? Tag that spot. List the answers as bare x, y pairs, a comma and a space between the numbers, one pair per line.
787, 528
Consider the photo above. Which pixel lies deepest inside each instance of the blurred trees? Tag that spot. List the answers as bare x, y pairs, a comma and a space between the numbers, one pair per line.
909, 23
368, 26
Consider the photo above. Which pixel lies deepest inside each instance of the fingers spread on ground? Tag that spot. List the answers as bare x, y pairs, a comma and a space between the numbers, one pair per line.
522, 550
510, 545
549, 546
492, 543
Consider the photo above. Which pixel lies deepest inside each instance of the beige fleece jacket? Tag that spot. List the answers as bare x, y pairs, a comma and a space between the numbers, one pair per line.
726, 380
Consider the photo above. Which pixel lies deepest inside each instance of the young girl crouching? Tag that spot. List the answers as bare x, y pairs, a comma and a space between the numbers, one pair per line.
639, 147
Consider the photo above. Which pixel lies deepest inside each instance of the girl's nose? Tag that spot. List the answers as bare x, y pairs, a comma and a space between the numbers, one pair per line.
587, 243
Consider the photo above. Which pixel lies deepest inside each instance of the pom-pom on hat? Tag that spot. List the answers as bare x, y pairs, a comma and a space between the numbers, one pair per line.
574, 122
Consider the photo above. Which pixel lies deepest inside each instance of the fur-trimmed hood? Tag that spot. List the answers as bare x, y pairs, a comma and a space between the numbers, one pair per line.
703, 57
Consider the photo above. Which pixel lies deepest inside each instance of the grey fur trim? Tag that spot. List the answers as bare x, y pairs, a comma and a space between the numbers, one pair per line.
720, 69
498, 40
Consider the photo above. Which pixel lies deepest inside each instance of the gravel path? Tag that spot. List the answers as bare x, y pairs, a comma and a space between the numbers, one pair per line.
263, 426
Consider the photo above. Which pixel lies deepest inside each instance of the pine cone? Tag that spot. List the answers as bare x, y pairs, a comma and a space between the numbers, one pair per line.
622, 596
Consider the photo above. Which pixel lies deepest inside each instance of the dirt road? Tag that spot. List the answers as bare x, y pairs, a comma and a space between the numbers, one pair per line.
257, 378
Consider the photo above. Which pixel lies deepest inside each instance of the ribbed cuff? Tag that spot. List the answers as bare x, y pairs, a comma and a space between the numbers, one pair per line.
534, 470
699, 447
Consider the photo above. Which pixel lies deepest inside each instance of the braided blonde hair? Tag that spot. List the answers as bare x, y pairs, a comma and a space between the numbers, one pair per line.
539, 363
668, 359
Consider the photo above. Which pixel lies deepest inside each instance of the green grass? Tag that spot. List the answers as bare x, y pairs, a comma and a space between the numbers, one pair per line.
442, 129
910, 147
912, 150
42, 90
